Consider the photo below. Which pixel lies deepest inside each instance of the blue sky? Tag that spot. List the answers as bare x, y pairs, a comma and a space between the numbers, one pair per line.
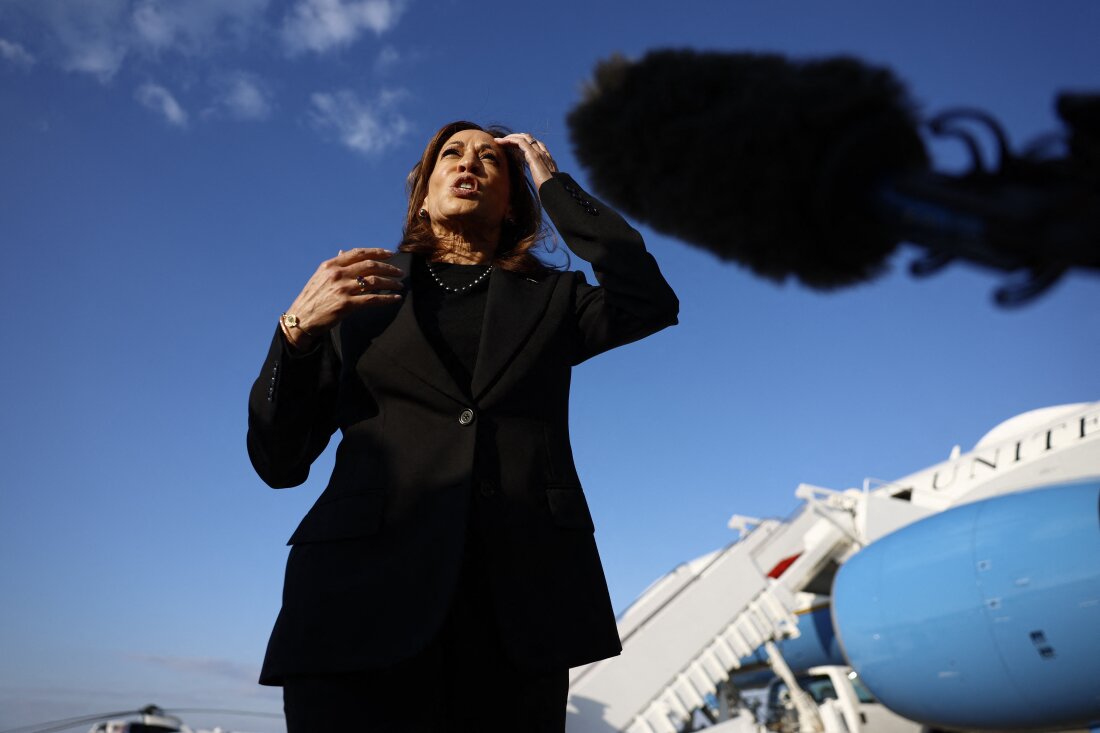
172, 172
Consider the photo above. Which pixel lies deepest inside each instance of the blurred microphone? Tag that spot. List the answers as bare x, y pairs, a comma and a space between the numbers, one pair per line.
817, 169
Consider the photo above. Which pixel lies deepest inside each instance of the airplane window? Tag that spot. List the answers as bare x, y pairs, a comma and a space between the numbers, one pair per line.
820, 689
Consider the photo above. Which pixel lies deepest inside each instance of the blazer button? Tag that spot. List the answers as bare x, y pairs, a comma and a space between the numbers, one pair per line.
466, 417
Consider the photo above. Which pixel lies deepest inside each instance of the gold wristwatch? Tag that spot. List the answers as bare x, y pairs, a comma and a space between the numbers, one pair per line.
290, 321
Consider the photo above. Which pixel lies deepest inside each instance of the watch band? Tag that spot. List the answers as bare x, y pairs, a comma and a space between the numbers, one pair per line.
289, 321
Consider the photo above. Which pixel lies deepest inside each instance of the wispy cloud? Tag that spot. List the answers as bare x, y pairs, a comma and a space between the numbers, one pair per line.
387, 59
203, 665
97, 36
322, 25
87, 37
365, 126
155, 28
100, 37
15, 53
196, 26
242, 96
160, 100
101, 59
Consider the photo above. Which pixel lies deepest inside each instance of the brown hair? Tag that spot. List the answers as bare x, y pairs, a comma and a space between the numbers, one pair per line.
519, 234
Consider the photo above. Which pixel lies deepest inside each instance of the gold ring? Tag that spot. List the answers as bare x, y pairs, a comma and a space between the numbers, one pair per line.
362, 282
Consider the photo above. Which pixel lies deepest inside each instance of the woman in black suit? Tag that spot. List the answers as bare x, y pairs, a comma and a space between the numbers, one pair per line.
447, 577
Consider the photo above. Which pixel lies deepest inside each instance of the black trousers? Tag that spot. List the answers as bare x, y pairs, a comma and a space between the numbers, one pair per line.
464, 681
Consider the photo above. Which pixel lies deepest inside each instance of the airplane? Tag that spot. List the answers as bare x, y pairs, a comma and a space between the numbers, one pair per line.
963, 596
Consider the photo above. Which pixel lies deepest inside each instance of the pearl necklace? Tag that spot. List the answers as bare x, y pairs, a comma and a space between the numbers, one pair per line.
464, 288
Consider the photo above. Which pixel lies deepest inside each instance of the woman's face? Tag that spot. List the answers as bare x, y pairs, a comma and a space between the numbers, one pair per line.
469, 184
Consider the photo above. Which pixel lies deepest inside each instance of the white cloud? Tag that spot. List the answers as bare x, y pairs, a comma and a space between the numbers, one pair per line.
99, 58
86, 35
153, 26
321, 25
387, 59
159, 99
242, 96
15, 53
196, 26
97, 36
366, 127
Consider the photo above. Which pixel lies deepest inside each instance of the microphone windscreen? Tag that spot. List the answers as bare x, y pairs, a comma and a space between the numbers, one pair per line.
760, 160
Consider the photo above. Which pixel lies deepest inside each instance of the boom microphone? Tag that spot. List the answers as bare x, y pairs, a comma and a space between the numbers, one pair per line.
817, 169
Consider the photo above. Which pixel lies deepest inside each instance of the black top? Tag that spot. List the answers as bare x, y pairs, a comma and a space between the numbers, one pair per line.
451, 321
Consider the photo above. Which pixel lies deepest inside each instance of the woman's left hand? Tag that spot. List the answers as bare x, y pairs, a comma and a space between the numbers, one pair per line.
539, 161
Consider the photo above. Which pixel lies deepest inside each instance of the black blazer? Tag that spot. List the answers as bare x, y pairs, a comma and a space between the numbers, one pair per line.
374, 563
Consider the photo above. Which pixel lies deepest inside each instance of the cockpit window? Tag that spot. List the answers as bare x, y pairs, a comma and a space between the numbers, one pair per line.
862, 692
820, 688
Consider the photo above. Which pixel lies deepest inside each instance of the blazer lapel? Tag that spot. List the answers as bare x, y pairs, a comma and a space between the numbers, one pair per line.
513, 308
404, 342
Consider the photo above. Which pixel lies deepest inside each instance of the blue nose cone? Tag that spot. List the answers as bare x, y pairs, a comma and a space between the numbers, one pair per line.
983, 616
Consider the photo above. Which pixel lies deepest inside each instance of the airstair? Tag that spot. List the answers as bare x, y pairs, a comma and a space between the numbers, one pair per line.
691, 628
685, 633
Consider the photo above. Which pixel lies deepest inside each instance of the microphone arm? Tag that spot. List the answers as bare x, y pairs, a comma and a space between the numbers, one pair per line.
1040, 215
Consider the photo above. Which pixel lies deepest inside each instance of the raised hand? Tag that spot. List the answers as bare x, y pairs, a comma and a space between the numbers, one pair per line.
348, 281
539, 160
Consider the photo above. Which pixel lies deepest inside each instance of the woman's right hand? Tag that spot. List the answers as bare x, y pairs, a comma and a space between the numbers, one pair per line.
348, 281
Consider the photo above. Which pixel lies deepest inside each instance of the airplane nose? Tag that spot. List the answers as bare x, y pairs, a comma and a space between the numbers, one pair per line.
989, 604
